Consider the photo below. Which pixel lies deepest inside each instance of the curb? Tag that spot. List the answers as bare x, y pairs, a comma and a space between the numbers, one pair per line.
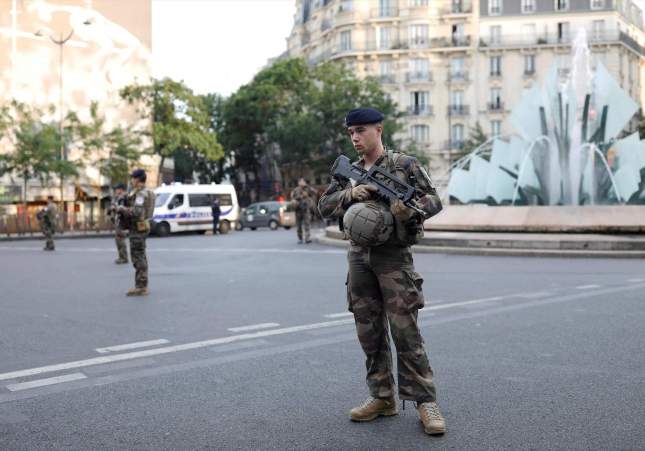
500, 252
66, 236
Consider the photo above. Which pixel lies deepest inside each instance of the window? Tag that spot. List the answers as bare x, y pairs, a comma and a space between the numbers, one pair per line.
225, 200
199, 200
414, 3
457, 98
495, 66
597, 30
385, 34
418, 35
597, 4
561, 5
563, 32
420, 65
528, 33
458, 37
419, 101
529, 64
458, 6
176, 201
161, 198
346, 40
457, 67
385, 70
494, 7
457, 135
496, 34
495, 98
420, 133
346, 5
385, 9
528, 6
495, 128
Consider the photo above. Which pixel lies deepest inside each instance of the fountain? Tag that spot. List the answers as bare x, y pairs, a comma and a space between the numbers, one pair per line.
569, 168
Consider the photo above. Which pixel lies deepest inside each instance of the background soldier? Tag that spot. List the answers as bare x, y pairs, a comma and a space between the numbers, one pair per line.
140, 208
382, 285
120, 223
216, 211
303, 198
47, 218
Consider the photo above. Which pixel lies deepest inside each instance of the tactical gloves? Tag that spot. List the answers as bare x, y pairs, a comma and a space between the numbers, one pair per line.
362, 193
400, 211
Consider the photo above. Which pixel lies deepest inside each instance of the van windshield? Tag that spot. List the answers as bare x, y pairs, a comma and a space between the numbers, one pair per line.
161, 199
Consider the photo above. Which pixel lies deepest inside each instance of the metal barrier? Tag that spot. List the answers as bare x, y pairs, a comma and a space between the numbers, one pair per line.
28, 224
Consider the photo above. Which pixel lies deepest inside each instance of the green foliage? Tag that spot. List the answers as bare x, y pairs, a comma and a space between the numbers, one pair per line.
295, 113
35, 146
476, 138
180, 119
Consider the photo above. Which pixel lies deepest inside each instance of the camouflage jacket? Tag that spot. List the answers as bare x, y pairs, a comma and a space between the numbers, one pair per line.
141, 204
303, 198
49, 216
119, 219
338, 196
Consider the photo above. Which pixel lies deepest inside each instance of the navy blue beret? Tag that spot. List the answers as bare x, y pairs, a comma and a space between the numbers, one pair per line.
119, 186
138, 173
362, 116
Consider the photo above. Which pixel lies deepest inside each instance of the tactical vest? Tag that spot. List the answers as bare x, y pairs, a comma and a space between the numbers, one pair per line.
406, 233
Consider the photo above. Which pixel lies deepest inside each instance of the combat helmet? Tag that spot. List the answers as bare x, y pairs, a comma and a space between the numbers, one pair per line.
368, 223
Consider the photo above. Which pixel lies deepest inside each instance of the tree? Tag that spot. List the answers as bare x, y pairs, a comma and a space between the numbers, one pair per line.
476, 138
35, 146
180, 120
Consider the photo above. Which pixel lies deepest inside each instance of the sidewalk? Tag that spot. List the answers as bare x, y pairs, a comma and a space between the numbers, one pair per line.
518, 244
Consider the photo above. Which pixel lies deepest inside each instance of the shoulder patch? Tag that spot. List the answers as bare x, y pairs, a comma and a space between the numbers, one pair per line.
140, 200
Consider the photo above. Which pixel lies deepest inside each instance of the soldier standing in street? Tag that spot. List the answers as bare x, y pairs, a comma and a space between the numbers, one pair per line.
304, 199
140, 208
48, 217
383, 289
120, 223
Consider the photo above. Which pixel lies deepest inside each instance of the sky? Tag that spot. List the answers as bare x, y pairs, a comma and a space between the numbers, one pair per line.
217, 45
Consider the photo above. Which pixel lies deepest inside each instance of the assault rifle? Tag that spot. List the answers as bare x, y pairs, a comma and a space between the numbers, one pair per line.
389, 186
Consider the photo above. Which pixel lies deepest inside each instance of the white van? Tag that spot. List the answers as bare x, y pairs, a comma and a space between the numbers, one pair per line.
180, 208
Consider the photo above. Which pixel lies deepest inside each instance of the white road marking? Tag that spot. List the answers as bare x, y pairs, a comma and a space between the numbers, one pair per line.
128, 346
338, 315
539, 294
587, 287
49, 381
260, 334
253, 327
635, 280
459, 304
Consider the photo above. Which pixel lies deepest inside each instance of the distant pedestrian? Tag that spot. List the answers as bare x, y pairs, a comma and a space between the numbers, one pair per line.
140, 208
120, 223
47, 218
216, 212
303, 198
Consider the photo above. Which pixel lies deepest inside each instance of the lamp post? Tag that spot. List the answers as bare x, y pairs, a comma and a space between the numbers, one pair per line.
60, 42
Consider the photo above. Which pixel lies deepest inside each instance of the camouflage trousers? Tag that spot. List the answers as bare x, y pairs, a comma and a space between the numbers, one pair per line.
48, 232
384, 293
303, 225
120, 236
139, 259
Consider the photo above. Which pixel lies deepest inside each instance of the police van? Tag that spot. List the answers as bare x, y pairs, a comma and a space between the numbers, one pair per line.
180, 208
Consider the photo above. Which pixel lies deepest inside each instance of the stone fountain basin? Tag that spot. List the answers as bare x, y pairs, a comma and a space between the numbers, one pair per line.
535, 219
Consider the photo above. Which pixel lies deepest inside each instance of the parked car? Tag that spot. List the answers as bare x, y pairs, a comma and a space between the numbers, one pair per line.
271, 214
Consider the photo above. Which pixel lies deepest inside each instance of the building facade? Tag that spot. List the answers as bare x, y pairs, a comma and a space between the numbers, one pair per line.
107, 46
450, 64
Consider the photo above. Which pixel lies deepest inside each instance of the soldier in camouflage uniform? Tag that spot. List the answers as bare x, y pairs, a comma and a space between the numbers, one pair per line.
303, 198
120, 223
383, 290
141, 203
48, 217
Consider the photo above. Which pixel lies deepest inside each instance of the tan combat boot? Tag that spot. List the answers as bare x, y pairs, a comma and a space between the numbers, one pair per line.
431, 417
373, 408
137, 292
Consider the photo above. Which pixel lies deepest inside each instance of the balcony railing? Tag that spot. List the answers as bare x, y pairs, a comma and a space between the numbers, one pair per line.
392, 44
496, 106
420, 110
384, 12
458, 7
418, 76
594, 37
387, 78
457, 76
458, 110
453, 144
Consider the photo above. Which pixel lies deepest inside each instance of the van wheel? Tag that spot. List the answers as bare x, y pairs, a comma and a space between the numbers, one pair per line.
273, 225
224, 227
163, 229
254, 228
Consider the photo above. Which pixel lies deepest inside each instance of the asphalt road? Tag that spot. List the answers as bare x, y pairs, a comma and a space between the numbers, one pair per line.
245, 343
